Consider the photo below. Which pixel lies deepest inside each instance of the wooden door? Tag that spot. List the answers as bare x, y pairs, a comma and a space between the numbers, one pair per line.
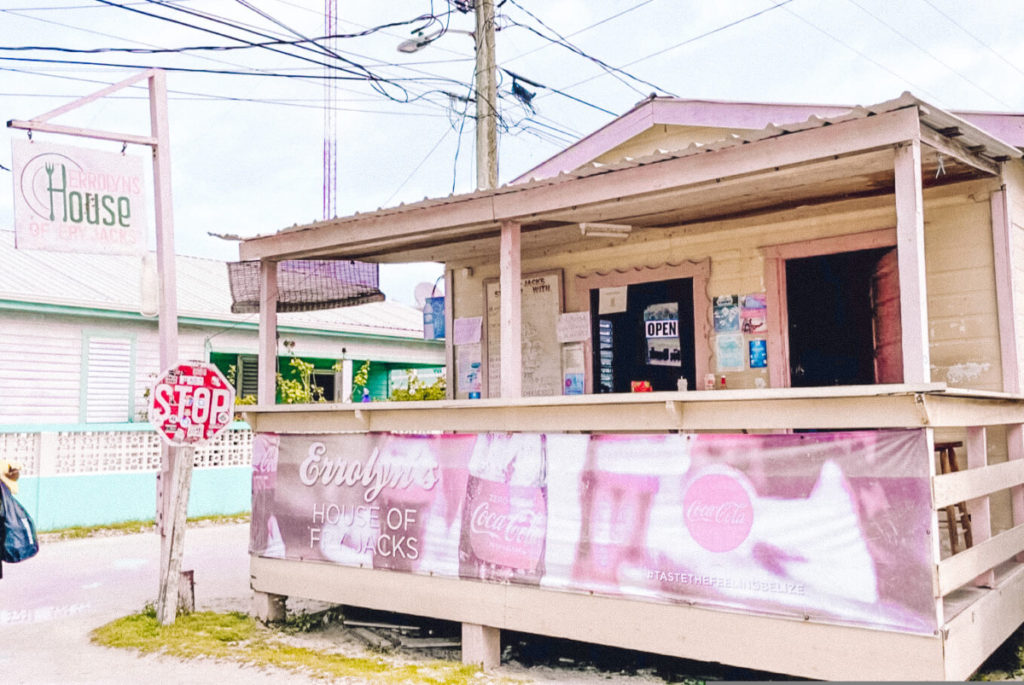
885, 314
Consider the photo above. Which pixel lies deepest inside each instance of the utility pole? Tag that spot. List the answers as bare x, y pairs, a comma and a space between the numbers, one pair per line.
486, 98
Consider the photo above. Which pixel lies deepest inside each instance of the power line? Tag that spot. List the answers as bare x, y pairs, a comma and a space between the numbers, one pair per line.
689, 41
585, 28
980, 42
570, 46
855, 50
198, 96
367, 75
559, 92
423, 161
927, 52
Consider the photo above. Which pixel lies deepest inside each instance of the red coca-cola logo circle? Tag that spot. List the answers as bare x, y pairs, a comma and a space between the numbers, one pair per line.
718, 512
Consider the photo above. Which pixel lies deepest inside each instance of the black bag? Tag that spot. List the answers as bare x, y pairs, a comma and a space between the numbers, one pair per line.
20, 540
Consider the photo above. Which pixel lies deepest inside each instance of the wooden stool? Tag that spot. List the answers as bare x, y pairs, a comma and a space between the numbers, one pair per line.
956, 514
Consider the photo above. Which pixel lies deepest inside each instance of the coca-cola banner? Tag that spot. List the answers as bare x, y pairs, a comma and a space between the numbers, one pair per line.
823, 526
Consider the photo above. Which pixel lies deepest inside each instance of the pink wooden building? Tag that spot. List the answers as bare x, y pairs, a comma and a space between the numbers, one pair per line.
846, 503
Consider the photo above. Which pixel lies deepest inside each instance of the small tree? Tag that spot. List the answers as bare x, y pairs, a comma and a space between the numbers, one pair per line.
360, 380
416, 390
301, 390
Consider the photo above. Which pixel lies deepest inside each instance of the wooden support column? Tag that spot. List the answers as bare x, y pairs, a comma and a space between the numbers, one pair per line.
1003, 245
933, 535
778, 325
449, 333
267, 607
910, 247
511, 311
481, 645
267, 383
979, 509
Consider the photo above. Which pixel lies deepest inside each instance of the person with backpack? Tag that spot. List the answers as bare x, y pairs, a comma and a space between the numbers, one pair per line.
9, 473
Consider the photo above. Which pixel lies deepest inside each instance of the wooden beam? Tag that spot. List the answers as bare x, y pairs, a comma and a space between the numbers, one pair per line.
978, 508
782, 645
266, 387
849, 137
511, 311
910, 248
962, 568
865, 407
958, 151
449, 333
1003, 246
977, 482
973, 634
515, 203
82, 132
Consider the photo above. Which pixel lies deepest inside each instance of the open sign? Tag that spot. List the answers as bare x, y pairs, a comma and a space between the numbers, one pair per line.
666, 328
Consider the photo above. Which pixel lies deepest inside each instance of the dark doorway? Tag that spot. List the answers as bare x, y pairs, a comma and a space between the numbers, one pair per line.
838, 307
653, 340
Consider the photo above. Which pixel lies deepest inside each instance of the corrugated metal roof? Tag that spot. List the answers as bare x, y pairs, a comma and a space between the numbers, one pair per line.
113, 283
933, 117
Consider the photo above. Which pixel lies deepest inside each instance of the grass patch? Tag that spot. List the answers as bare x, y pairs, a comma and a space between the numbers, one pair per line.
128, 527
1007, 662
241, 639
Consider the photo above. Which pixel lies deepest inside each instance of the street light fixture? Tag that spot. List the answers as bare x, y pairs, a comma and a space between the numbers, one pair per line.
420, 41
486, 89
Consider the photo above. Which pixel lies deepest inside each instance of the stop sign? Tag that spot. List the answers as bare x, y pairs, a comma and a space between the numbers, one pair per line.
191, 403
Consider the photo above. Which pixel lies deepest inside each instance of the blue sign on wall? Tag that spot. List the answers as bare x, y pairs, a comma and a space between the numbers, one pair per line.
433, 318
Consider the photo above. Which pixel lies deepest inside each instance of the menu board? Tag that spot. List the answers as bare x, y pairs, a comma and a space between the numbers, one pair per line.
542, 361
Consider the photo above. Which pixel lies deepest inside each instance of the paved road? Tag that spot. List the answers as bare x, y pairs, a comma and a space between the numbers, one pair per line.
50, 603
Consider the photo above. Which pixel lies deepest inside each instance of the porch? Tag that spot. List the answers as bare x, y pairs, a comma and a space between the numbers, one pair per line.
976, 595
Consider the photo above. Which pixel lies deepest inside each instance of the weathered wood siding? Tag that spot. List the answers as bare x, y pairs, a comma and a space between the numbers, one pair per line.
958, 244
44, 363
962, 312
40, 369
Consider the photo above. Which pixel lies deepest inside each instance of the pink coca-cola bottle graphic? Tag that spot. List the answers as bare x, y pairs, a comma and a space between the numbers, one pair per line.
616, 497
504, 520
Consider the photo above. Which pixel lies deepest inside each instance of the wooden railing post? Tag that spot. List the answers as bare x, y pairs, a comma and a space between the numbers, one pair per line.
979, 509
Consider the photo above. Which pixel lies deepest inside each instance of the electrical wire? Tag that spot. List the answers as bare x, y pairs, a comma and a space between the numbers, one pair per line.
585, 28
185, 95
558, 92
923, 49
869, 58
980, 42
373, 79
691, 40
423, 161
612, 70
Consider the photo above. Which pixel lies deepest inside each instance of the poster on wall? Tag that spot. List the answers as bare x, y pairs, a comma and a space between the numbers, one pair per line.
612, 300
573, 368
573, 327
758, 353
727, 314
541, 361
661, 332
433, 318
828, 527
754, 312
467, 330
729, 352
467, 361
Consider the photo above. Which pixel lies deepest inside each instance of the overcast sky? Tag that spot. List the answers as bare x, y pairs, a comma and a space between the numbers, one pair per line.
247, 149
